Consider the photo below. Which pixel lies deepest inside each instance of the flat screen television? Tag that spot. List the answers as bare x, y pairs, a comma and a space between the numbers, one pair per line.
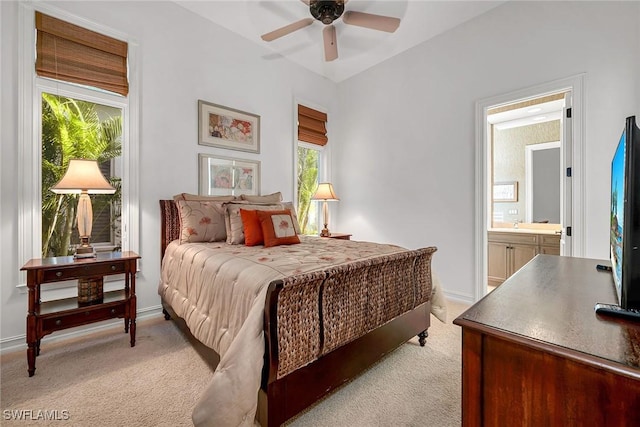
625, 217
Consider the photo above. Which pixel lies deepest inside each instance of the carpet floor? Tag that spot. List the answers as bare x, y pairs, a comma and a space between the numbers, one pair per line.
98, 380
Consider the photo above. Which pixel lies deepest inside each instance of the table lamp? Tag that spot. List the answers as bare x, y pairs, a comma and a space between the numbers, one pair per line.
326, 194
83, 177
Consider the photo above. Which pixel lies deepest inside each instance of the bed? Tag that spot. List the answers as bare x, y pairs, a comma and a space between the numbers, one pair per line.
291, 322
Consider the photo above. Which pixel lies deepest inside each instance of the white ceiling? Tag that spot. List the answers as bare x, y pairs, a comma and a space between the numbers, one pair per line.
358, 48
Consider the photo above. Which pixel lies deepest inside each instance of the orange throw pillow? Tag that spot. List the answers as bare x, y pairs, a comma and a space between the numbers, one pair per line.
252, 228
277, 228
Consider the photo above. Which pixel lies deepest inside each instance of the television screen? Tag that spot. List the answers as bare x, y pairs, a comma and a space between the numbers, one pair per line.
618, 169
625, 217
624, 237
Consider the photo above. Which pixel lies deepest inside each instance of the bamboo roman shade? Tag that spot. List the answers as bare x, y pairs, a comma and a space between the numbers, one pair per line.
74, 54
311, 126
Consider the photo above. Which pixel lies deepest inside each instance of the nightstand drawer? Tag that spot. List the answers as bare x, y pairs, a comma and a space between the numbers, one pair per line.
89, 314
67, 273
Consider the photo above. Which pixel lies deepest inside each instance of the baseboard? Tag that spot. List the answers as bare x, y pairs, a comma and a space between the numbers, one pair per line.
18, 343
459, 297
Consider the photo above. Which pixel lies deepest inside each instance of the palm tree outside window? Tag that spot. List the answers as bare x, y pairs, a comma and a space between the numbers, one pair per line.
78, 129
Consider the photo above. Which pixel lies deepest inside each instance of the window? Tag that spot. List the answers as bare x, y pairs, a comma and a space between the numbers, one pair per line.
308, 167
312, 140
73, 128
66, 113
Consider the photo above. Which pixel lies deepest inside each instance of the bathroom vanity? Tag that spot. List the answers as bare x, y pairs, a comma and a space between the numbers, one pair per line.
509, 249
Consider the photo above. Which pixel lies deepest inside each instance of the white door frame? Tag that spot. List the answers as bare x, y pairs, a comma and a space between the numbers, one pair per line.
575, 84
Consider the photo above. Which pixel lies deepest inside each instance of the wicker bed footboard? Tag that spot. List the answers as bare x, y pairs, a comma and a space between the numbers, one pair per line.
318, 312
358, 298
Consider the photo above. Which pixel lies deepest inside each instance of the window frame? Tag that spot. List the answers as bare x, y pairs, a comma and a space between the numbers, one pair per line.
321, 172
324, 153
30, 88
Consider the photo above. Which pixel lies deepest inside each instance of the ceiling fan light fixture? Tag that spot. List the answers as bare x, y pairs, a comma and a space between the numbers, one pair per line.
326, 11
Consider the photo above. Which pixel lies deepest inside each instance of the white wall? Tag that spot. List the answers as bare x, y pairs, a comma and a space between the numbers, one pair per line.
404, 164
183, 58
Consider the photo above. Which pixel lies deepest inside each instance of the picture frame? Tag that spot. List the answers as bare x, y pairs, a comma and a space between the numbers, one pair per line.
227, 176
505, 191
224, 127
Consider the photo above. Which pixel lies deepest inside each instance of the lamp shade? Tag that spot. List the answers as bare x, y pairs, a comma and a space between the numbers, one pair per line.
325, 192
83, 175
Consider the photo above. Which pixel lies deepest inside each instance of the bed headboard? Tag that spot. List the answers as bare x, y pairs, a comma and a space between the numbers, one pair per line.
169, 224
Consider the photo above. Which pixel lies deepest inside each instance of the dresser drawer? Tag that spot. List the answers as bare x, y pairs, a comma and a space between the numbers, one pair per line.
76, 271
62, 320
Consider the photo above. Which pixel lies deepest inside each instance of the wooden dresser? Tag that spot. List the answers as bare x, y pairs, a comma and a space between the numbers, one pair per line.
534, 353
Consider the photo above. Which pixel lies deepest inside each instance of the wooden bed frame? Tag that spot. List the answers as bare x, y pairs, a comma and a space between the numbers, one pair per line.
280, 399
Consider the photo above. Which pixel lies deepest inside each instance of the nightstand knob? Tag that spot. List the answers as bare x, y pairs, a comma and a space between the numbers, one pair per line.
58, 322
58, 273
113, 311
113, 268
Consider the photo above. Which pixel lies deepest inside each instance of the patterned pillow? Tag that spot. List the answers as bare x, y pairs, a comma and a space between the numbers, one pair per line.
277, 228
233, 220
201, 221
294, 215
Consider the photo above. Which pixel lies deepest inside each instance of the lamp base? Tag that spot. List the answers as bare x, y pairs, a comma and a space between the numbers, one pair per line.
85, 250
325, 233
80, 255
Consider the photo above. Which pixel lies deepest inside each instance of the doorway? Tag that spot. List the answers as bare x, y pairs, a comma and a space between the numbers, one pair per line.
525, 183
549, 113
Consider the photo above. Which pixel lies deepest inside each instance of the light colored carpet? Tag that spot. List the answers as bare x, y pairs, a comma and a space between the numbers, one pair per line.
100, 381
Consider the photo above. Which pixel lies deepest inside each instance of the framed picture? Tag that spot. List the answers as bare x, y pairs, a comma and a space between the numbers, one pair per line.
225, 127
226, 176
505, 191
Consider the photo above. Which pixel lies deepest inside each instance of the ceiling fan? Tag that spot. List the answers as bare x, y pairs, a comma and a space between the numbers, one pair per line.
326, 12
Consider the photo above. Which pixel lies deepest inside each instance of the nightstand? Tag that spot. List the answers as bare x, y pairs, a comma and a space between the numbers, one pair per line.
44, 318
341, 236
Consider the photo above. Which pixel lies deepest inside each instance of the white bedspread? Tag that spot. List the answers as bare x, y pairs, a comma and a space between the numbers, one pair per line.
229, 318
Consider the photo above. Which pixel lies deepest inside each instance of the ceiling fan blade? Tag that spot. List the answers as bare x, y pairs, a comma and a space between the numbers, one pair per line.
369, 20
330, 43
287, 29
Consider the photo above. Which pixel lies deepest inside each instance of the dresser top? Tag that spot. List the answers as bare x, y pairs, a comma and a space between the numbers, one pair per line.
550, 303
60, 261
